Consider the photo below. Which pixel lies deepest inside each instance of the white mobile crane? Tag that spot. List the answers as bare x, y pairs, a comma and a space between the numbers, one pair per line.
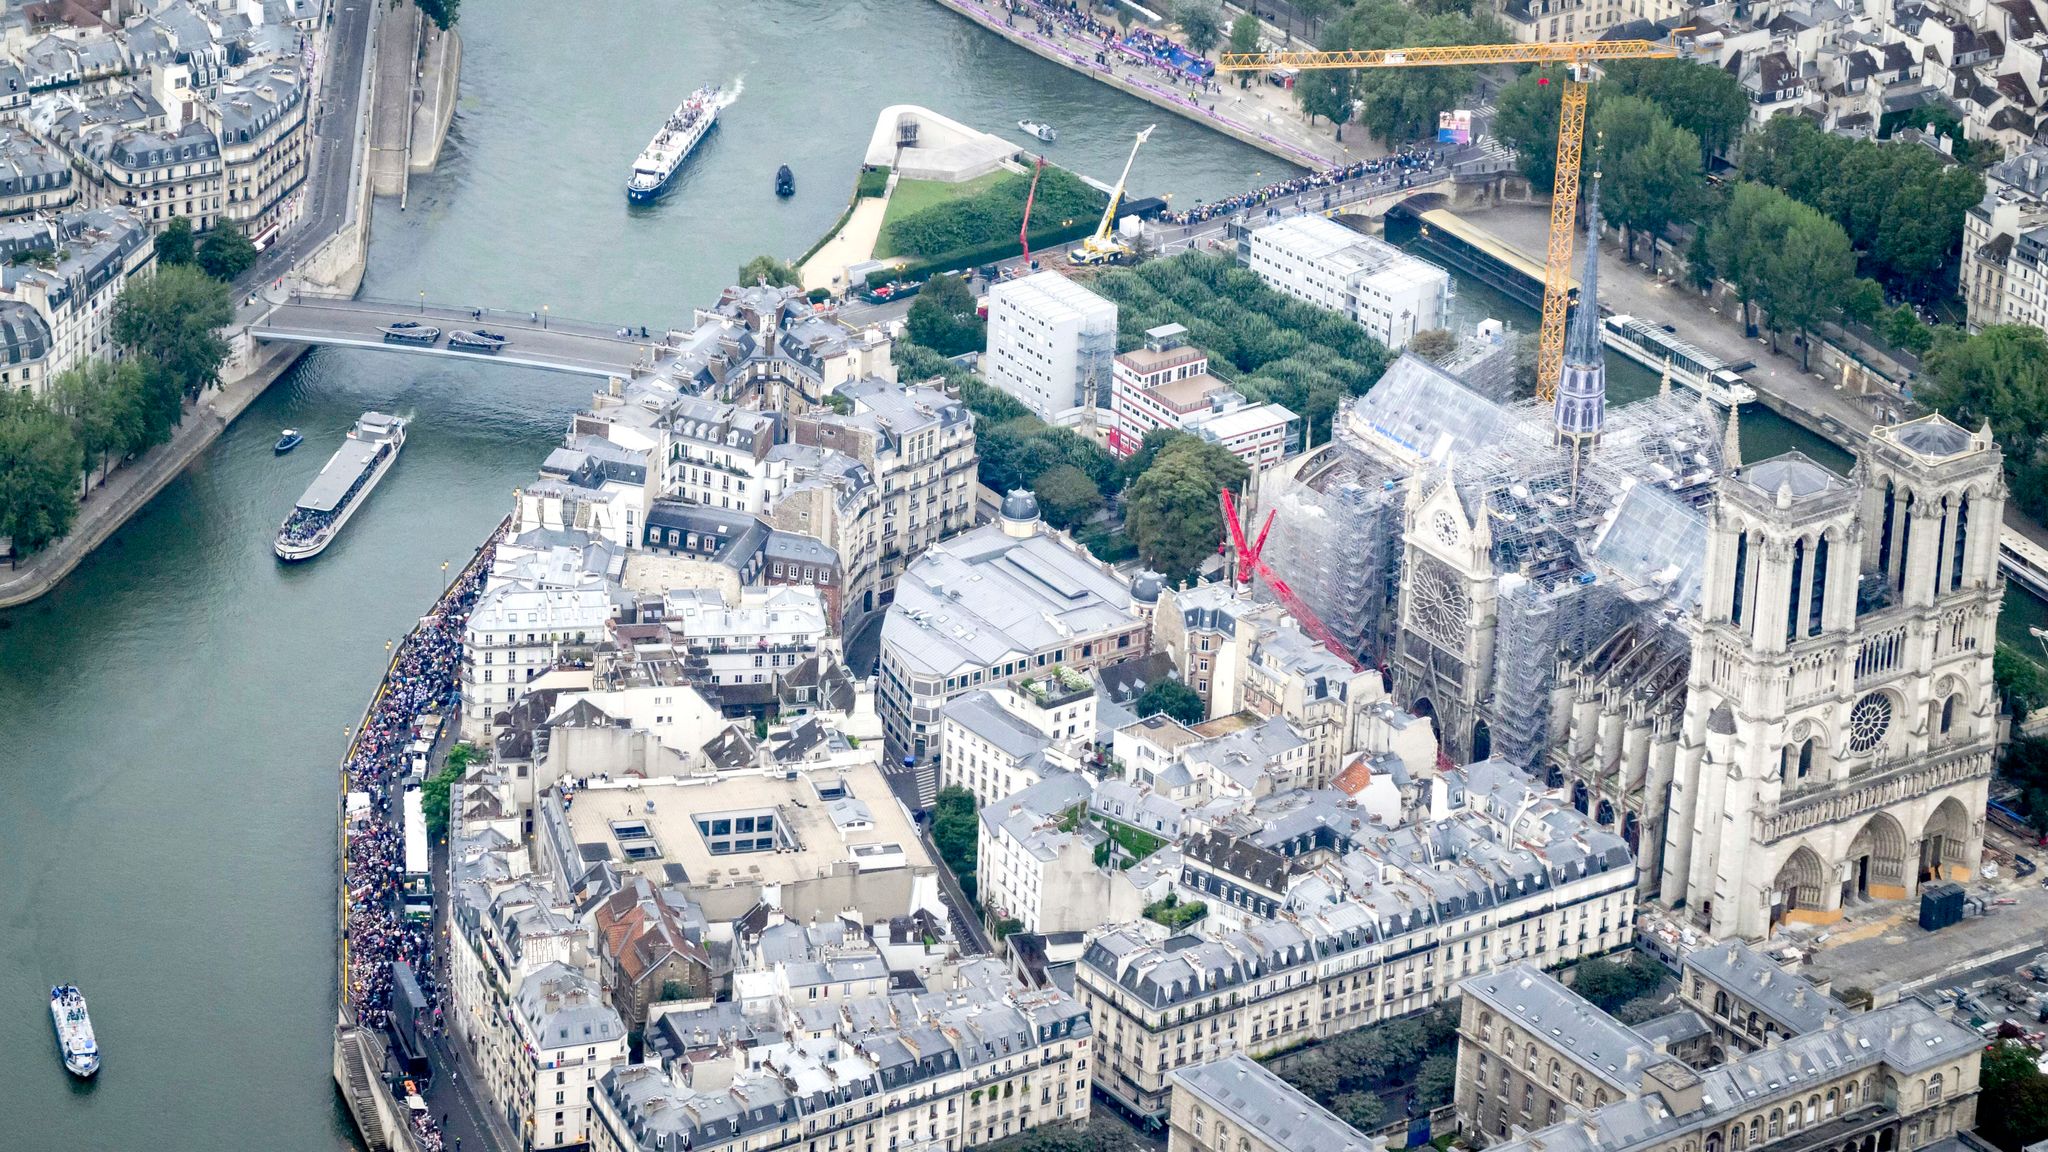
1104, 247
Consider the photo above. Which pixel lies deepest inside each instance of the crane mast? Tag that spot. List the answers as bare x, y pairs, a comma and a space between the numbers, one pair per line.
1102, 247
1579, 57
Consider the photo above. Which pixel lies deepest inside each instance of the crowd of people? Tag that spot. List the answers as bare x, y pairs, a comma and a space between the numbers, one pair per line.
306, 523
1396, 166
421, 680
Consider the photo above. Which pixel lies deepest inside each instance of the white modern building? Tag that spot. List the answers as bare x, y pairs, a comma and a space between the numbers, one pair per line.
996, 741
1050, 344
1394, 295
1166, 385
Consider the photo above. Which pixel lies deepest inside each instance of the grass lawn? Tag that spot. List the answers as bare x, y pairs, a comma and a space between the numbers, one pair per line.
912, 196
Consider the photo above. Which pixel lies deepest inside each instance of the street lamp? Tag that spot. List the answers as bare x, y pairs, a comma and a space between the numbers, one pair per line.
423, 301
543, 317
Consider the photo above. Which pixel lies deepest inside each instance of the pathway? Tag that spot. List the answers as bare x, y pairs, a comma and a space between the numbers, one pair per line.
852, 244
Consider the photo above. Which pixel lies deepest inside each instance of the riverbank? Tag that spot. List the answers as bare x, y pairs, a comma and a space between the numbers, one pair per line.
1238, 122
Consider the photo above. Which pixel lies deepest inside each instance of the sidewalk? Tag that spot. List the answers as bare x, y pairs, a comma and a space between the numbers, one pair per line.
1260, 115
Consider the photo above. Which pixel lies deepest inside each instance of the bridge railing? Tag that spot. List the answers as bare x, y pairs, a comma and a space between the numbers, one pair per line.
525, 319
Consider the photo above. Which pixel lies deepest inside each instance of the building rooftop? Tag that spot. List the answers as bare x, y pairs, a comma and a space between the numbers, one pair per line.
1793, 1002
1600, 1043
1256, 1100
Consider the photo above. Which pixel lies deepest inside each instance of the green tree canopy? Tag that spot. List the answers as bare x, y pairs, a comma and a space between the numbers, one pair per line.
1066, 495
2021, 683
777, 273
1403, 103
1361, 1110
226, 253
1998, 375
106, 402
174, 319
956, 833
1173, 698
1698, 97
441, 12
1244, 37
1171, 512
174, 243
1201, 24
2012, 1109
1525, 118
40, 462
943, 317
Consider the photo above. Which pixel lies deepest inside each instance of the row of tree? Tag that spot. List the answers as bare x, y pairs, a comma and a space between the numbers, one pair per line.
1268, 345
1395, 103
98, 413
224, 254
1352, 1073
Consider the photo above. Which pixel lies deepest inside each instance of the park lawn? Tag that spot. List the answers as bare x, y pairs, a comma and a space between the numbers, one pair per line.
913, 196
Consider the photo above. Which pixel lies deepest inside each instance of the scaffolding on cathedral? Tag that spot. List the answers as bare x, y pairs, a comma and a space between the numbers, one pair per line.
1341, 495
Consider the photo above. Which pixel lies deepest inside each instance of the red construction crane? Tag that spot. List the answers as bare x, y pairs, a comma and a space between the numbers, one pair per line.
1251, 561
1024, 233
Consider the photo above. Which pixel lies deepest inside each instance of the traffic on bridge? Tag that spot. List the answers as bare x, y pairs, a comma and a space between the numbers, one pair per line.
527, 339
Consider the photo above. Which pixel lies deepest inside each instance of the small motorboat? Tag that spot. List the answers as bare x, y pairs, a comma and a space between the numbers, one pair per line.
411, 332
1042, 131
477, 341
286, 441
785, 181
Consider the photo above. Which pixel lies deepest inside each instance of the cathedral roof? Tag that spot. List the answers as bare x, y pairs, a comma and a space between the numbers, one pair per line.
1794, 472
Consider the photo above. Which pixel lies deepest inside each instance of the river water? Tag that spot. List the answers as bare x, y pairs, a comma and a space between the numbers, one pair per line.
171, 717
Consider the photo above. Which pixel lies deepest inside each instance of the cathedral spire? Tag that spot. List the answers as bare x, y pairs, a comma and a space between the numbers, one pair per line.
1731, 440
1580, 410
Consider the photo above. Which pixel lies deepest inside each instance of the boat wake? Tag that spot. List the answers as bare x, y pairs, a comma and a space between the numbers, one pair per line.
732, 94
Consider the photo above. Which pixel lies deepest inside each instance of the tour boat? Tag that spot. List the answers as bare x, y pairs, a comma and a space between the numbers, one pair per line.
75, 1041
785, 181
685, 128
286, 441
477, 341
341, 487
411, 332
1042, 131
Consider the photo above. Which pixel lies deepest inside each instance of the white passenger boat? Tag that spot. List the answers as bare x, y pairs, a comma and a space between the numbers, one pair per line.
75, 1040
341, 487
1690, 366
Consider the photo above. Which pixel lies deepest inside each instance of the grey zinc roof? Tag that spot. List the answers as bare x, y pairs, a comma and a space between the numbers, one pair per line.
979, 713
23, 332
1792, 1001
1258, 1101
563, 1007
984, 597
1598, 1042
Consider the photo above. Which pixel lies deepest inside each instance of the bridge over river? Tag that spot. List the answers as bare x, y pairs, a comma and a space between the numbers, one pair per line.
534, 339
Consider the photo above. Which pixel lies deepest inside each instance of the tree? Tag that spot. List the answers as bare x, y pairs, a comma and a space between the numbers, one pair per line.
1066, 496
775, 273
104, 401
174, 243
1700, 98
39, 461
1201, 25
1312, 13
1325, 93
1403, 103
174, 319
943, 317
226, 253
1244, 37
1433, 344
1807, 276
435, 789
1361, 1110
441, 12
2012, 1109
1654, 183
1133, 466
1171, 512
1173, 698
1999, 374
956, 833
1525, 118
2020, 681
1609, 984
1436, 1081
1739, 244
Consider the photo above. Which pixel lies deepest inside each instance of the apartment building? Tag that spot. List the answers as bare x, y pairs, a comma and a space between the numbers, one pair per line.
1051, 343
34, 177
997, 741
1392, 294
521, 629
1325, 922
975, 1058
70, 268
1037, 857
260, 121
918, 445
717, 454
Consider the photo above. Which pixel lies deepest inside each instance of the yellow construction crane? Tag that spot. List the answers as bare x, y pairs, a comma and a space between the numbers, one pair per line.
1578, 56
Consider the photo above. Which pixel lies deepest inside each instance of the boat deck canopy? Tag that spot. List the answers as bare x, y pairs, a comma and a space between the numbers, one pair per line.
334, 481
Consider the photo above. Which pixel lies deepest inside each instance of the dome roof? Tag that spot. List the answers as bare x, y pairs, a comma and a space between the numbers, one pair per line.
1146, 587
1020, 504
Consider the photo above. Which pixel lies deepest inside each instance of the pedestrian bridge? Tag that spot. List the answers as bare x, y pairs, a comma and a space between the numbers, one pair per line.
534, 339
